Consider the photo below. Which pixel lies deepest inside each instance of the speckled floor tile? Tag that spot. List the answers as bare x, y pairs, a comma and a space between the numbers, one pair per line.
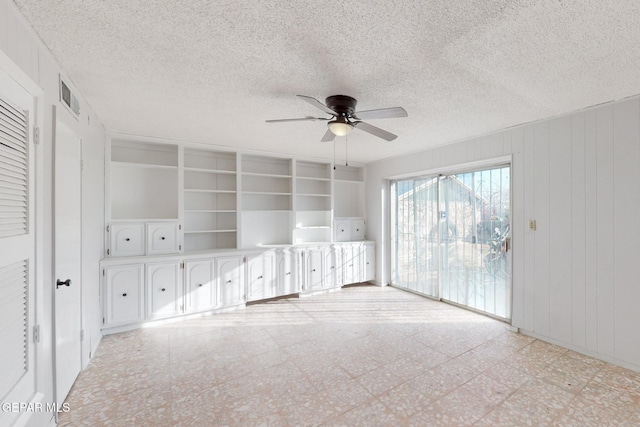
365, 356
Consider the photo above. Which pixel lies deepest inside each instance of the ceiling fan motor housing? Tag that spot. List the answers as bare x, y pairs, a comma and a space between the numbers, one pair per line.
344, 105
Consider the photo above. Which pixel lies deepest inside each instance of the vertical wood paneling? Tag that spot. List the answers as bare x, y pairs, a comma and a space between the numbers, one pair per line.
529, 246
541, 267
578, 230
560, 228
497, 145
626, 195
591, 226
605, 230
516, 142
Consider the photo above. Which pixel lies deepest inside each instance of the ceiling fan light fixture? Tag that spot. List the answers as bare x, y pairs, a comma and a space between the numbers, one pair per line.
340, 127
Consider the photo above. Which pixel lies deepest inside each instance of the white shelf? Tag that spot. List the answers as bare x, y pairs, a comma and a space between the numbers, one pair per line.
266, 174
195, 190
312, 227
313, 195
268, 193
210, 231
308, 178
213, 171
350, 181
210, 210
141, 165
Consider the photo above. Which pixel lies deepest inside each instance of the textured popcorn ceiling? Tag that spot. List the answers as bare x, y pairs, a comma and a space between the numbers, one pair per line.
213, 71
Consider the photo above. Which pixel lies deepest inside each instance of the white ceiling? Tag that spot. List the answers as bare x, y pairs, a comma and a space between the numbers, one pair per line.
213, 71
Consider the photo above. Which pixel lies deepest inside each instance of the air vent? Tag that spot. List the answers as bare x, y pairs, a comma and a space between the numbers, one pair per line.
69, 99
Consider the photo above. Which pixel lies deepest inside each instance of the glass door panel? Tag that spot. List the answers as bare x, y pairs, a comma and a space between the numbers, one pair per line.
475, 268
416, 244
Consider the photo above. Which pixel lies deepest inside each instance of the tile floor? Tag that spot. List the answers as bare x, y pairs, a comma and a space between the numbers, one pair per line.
365, 356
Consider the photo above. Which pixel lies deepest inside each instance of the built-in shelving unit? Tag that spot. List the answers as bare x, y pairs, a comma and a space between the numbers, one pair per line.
348, 191
210, 200
143, 181
267, 193
313, 202
168, 197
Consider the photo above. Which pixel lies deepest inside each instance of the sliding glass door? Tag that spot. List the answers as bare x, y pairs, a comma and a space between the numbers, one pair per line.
452, 238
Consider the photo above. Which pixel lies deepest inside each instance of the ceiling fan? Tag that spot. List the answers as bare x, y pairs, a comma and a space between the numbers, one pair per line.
344, 118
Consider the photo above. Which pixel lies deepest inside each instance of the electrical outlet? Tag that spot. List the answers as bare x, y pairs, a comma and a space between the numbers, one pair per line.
532, 225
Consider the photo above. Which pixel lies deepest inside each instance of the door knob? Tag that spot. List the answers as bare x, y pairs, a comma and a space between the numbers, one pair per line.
61, 283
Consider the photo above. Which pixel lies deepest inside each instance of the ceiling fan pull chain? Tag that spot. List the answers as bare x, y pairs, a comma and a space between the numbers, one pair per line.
334, 154
346, 150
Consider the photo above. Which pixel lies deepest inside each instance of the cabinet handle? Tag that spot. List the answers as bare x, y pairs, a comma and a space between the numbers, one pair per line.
200, 285
342, 231
124, 295
259, 277
127, 239
351, 265
163, 289
313, 270
367, 263
288, 273
357, 229
162, 238
228, 281
332, 266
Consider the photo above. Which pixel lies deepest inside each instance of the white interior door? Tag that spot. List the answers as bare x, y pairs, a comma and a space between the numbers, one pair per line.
67, 229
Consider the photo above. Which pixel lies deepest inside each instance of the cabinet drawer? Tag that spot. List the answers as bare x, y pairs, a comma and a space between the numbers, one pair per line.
162, 238
126, 239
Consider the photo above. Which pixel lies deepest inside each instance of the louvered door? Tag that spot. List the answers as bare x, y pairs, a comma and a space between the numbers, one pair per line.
17, 379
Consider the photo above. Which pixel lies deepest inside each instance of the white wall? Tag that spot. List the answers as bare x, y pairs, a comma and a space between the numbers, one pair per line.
27, 60
576, 279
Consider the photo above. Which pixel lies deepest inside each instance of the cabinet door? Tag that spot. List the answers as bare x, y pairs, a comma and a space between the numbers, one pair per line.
369, 262
163, 290
351, 262
162, 238
314, 260
288, 276
330, 268
123, 294
126, 240
199, 286
229, 272
261, 276
342, 230
357, 229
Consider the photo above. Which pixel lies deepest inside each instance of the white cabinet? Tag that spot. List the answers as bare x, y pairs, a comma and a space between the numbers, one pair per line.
352, 263
357, 229
314, 268
369, 261
261, 276
200, 287
287, 272
331, 279
126, 240
163, 290
162, 238
123, 294
230, 275
347, 229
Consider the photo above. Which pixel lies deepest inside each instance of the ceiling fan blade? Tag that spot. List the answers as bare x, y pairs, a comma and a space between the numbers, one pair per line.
381, 113
302, 119
328, 136
317, 104
373, 130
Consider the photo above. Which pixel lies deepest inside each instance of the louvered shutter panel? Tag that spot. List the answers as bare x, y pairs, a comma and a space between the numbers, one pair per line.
13, 330
14, 185
14, 220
